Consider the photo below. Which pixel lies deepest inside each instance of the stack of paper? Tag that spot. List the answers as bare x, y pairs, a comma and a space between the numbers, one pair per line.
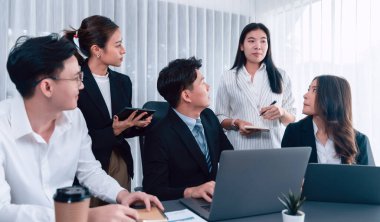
183, 215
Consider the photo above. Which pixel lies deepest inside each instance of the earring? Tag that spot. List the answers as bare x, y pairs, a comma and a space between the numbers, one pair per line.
98, 56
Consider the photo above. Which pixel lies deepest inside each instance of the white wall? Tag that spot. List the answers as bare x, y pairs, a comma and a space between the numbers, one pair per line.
154, 32
309, 38
338, 37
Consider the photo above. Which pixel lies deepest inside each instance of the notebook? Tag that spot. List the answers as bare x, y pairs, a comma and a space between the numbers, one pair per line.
249, 182
154, 215
342, 183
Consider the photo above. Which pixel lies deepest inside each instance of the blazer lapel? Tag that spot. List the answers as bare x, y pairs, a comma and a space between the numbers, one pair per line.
188, 139
117, 94
308, 137
91, 87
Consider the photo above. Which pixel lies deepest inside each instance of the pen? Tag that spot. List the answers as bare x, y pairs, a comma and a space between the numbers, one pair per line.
274, 102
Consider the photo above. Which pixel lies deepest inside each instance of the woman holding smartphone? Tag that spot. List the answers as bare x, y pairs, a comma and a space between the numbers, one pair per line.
254, 98
105, 94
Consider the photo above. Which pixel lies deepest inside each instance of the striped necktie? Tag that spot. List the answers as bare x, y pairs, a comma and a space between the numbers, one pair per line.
201, 140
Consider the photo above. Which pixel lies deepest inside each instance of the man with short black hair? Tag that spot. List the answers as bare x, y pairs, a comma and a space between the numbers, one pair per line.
44, 142
181, 156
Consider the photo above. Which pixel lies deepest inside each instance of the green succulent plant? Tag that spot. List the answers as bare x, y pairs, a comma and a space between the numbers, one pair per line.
292, 202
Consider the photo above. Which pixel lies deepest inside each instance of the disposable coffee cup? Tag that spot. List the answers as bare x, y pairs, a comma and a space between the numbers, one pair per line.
71, 204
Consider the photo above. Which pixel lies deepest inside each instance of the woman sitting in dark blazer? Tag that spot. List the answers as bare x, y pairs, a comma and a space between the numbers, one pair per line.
328, 127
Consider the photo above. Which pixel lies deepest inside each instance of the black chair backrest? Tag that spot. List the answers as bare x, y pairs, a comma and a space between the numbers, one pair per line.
371, 160
161, 111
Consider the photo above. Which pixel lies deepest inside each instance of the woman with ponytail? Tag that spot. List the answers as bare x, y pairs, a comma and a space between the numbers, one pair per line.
328, 127
106, 93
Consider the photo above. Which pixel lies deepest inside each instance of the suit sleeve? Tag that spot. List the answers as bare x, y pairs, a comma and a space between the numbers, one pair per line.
89, 171
288, 138
364, 147
103, 141
156, 170
225, 142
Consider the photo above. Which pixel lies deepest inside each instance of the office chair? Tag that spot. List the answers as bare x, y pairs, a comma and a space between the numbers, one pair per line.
161, 111
371, 160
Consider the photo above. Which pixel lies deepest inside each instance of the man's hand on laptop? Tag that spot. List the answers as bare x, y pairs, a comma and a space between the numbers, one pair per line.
205, 191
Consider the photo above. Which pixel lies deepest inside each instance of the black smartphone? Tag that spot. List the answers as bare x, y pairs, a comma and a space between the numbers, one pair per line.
127, 111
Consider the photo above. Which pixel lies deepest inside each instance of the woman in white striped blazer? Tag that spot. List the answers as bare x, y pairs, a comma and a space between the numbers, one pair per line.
255, 93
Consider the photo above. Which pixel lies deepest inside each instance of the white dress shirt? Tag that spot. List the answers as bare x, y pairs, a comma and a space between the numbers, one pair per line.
31, 170
190, 122
239, 97
326, 153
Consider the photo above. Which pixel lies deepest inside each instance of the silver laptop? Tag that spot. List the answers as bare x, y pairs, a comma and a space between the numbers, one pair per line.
249, 182
342, 183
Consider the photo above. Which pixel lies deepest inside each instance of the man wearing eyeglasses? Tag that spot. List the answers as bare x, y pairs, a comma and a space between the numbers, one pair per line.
44, 142
78, 78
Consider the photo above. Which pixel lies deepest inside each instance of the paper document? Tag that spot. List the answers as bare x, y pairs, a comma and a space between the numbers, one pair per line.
183, 215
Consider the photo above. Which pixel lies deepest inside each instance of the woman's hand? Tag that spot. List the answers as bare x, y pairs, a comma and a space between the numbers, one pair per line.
272, 112
240, 124
144, 123
132, 120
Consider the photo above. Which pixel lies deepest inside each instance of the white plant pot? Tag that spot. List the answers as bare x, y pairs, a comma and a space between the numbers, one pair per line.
291, 218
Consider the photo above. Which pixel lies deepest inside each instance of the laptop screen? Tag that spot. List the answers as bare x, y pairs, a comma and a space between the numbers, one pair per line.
342, 183
249, 182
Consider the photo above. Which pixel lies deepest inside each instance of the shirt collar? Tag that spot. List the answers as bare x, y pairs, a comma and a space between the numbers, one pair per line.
19, 120
20, 124
190, 122
315, 128
262, 66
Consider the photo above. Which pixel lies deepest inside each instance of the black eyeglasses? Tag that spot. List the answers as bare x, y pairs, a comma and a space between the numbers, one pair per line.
78, 79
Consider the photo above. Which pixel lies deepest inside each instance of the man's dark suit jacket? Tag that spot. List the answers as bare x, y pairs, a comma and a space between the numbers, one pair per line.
172, 159
98, 119
301, 133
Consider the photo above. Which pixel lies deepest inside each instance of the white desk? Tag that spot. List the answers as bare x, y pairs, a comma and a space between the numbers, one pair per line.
315, 212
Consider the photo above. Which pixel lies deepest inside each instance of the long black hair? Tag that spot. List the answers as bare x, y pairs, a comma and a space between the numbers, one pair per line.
274, 76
